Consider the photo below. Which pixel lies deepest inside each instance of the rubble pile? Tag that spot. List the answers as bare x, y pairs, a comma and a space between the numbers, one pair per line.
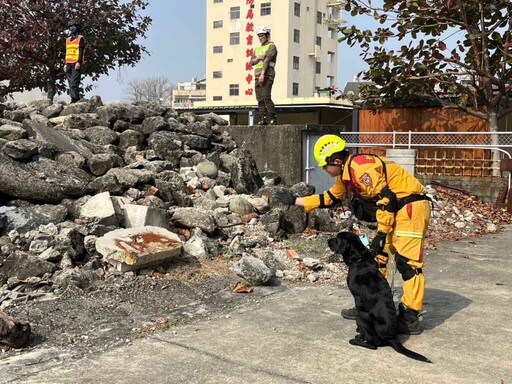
88, 191
458, 214
91, 192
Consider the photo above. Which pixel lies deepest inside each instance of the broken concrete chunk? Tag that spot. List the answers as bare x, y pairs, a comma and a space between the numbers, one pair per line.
196, 247
136, 216
253, 269
194, 218
208, 168
136, 248
20, 149
241, 206
12, 132
22, 266
100, 207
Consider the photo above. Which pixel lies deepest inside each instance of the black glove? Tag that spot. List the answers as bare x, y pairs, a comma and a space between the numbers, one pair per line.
285, 197
378, 242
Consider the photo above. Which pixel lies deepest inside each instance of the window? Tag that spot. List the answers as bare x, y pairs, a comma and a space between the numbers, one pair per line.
265, 9
217, 24
318, 67
234, 90
295, 62
217, 1
319, 17
333, 33
296, 36
217, 49
330, 81
217, 98
230, 60
295, 89
234, 38
217, 74
234, 13
330, 57
296, 9
319, 41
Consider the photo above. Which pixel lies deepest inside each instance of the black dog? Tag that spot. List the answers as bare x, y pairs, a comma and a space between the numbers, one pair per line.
377, 320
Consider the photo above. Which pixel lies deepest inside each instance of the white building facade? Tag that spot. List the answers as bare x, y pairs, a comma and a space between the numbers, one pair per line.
188, 93
305, 33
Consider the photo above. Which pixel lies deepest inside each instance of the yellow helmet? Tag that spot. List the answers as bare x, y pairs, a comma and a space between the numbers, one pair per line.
326, 146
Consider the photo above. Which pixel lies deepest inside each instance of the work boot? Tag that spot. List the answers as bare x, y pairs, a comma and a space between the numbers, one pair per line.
263, 121
273, 121
408, 321
349, 313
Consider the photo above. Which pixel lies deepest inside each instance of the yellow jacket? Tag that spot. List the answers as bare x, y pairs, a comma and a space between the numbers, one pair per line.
369, 179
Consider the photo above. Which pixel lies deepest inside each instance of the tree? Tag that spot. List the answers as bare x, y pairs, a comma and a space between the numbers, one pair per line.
32, 40
455, 53
154, 88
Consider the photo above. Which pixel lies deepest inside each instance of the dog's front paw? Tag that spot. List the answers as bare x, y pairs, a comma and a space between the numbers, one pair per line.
360, 341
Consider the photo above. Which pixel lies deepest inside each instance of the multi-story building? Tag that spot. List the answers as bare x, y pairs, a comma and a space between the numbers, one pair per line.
188, 93
305, 33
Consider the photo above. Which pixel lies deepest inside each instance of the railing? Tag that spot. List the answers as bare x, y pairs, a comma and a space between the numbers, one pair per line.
410, 139
443, 153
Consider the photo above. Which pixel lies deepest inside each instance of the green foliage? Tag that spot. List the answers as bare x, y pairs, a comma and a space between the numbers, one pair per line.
33, 33
453, 53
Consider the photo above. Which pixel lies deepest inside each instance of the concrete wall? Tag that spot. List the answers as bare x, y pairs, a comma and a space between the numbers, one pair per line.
277, 148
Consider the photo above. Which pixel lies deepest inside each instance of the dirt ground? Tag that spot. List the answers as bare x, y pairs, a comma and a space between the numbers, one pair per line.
121, 308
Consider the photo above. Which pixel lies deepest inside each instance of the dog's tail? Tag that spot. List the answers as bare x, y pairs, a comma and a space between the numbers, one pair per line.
398, 346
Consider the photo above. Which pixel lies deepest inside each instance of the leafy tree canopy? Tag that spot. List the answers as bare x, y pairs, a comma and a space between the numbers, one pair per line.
33, 33
455, 53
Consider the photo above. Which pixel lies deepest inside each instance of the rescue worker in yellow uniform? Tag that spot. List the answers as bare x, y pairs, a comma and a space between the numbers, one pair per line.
378, 188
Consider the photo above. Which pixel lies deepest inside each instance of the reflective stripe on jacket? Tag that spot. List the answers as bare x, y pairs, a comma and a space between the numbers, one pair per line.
73, 50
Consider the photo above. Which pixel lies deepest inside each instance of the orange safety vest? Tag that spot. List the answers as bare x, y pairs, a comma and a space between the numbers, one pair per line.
72, 50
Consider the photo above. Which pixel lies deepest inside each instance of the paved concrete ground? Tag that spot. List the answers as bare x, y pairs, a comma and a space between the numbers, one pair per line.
297, 335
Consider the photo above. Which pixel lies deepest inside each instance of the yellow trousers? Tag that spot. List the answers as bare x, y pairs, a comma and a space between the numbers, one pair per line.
407, 240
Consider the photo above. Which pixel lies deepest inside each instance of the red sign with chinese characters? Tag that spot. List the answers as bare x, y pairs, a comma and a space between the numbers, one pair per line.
249, 27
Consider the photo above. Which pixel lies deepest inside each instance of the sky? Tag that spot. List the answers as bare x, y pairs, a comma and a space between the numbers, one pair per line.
176, 41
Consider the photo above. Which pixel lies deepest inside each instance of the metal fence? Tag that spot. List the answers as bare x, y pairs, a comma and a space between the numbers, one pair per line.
475, 140
476, 154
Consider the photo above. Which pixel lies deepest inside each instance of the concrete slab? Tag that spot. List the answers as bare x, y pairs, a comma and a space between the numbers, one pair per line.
135, 248
298, 336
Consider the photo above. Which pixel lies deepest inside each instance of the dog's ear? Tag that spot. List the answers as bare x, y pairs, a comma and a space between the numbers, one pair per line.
338, 244
333, 244
355, 242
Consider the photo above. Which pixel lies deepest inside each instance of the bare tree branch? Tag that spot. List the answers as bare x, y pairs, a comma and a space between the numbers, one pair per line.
156, 88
